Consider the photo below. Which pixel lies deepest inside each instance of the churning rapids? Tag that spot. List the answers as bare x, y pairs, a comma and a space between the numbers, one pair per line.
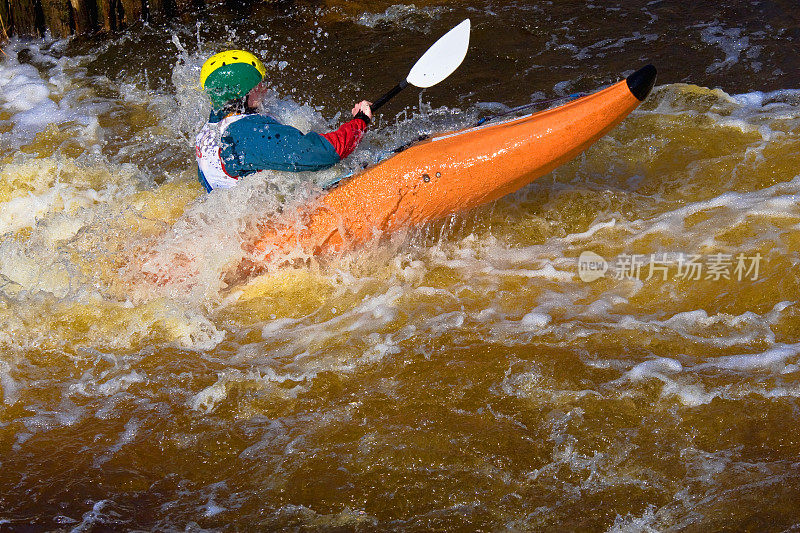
467, 375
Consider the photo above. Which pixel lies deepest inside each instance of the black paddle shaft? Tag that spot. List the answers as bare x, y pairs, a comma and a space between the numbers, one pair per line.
388, 96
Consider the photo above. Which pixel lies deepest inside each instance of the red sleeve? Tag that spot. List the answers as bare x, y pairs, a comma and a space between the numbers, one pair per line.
347, 137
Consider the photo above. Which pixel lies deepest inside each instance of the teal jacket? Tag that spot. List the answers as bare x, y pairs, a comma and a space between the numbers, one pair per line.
256, 142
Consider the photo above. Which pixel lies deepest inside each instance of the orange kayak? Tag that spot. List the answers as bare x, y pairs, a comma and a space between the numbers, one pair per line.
452, 172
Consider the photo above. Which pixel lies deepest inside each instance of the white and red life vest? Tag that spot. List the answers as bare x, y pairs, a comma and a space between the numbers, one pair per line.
207, 147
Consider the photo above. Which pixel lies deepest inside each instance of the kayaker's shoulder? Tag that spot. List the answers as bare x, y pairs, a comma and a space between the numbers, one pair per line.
255, 121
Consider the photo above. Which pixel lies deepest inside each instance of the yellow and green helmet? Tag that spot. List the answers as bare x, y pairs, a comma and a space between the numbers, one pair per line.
229, 75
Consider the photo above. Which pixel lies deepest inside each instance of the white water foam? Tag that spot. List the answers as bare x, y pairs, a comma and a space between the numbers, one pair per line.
406, 16
736, 46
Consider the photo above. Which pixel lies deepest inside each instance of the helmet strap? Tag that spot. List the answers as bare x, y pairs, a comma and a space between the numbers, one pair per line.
238, 106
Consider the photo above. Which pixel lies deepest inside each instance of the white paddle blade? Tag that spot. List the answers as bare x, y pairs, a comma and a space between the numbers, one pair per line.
442, 58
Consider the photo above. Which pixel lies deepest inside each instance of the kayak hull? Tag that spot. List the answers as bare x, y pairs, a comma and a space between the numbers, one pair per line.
453, 172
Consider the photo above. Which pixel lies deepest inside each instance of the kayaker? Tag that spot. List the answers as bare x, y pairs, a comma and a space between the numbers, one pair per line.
237, 141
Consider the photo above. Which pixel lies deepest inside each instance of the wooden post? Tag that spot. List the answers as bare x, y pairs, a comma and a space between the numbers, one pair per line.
132, 11
23, 17
56, 14
106, 16
5, 21
82, 16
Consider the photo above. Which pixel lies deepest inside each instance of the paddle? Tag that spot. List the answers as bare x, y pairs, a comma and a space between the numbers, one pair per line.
437, 63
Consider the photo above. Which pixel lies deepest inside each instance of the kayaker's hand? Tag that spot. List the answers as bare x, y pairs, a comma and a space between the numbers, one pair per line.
363, 107
257, 94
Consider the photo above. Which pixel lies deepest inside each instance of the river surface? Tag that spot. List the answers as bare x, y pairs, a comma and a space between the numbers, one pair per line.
468, 375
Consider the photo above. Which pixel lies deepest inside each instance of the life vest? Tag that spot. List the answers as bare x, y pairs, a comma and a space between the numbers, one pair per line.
207, 146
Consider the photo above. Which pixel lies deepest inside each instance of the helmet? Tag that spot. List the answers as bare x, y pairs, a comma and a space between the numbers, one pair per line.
229, 75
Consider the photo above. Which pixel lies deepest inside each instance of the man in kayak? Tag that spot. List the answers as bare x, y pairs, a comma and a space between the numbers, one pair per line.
237, 141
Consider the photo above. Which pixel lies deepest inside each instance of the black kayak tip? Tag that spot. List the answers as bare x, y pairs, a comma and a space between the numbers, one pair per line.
641, 82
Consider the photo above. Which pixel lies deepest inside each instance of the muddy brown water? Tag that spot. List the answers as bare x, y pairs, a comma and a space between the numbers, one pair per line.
462, 376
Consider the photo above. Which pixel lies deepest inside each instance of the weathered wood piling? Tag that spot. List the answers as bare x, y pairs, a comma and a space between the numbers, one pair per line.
63, 18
